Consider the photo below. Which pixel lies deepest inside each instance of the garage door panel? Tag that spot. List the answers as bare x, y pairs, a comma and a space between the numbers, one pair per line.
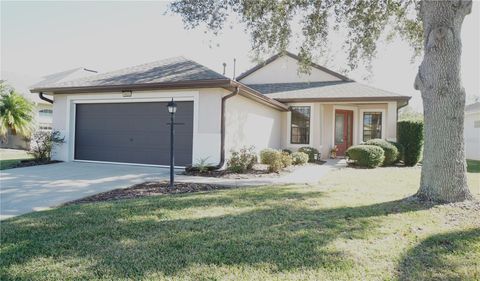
132, 133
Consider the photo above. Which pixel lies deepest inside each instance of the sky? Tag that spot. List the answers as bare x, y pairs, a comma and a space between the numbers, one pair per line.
40, 38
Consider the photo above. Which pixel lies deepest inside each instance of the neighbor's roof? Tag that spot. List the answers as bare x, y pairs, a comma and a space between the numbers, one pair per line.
59, 77
173, 70
474, 107
325, 91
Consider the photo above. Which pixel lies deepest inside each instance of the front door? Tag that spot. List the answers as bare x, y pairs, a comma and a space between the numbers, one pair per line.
343, 130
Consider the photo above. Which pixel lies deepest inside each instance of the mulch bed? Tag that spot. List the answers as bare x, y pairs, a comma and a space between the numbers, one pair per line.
147, 189
29, 163
258, 171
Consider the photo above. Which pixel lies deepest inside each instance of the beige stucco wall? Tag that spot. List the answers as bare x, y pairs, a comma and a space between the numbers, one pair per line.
285, 70
472, 135
250, 123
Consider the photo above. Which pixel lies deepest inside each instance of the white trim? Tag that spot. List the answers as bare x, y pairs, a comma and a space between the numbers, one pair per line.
289, 126
116, 97
355, 139
374, 110
128, 164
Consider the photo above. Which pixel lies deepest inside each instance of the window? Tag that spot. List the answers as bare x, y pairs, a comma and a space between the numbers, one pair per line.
45, 112
300, 125
372, 125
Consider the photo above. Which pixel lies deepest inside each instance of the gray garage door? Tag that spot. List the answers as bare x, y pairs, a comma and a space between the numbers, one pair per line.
133, 133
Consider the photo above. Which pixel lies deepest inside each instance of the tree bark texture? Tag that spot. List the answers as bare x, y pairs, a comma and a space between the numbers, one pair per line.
443, 176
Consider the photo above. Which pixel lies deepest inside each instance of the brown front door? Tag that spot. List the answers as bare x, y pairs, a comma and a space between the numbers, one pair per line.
343, 130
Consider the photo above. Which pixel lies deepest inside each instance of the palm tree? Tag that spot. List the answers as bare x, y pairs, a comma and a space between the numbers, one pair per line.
16, 112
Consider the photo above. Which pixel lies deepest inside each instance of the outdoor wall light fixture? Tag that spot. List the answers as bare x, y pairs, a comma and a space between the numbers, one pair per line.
172, 108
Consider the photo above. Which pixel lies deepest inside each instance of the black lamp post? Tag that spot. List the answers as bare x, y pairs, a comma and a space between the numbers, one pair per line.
172, 108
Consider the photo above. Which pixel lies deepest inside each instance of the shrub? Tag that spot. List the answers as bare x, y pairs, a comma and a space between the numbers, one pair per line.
401, 150
310, 151
287, 159
410, 135
43, 143
242, 161
370, 156
389, 150
299, 158
287, 151
273, 158
202, 165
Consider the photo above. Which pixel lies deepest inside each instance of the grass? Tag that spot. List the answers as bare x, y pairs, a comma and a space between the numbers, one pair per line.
11, 157
473, 166
354, 225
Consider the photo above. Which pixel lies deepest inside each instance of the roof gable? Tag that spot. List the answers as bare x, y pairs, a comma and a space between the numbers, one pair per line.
283, 68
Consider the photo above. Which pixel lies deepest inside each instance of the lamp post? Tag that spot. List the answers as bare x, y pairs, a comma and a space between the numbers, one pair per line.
172, 108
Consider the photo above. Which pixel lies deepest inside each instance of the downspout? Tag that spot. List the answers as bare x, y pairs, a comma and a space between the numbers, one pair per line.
42, 97
222, 128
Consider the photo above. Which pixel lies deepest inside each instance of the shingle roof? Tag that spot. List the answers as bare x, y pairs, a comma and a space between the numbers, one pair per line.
474, 107
323, 90
177, 69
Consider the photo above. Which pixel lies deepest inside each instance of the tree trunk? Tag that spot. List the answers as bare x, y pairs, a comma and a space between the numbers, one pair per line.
444, 176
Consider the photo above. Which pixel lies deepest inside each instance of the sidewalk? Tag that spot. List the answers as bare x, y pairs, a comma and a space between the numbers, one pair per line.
309, 174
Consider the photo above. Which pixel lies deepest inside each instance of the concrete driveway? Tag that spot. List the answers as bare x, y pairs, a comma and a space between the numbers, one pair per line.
24, 190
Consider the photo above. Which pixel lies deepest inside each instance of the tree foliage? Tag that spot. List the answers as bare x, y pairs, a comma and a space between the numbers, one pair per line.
271, 23
16, 112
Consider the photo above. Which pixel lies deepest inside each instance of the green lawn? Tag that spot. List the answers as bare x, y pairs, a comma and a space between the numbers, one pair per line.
473, 166
10, 157
354, 225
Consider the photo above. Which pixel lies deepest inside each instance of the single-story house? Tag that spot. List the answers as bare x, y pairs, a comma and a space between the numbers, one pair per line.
472, 131
121, 116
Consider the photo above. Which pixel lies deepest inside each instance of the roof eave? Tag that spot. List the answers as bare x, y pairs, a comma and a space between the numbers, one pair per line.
136, 87
344, 99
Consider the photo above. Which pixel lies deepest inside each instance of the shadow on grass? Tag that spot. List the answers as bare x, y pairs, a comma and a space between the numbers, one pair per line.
435, 257
126, 240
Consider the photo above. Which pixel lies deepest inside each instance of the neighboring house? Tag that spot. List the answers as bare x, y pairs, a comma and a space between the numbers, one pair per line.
122, 117
43, 118
472, 131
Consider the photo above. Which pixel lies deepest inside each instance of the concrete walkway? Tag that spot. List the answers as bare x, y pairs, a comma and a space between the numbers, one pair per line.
309, 174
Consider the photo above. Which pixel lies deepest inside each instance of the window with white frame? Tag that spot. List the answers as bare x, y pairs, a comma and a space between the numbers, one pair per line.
372, 125
300, 125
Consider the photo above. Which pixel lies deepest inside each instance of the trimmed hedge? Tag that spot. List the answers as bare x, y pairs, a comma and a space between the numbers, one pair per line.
299, 158
287, 159
310, 151
401, 150
370, 156
410, 135
390, 151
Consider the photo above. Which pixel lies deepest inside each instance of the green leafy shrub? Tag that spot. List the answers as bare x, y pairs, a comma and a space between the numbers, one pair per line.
401, 150
287, 159
242, 161
370, 156
43, 143
287, 151
310, 151
410, 135
299, 158
389, 150
202, 165
273, 158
